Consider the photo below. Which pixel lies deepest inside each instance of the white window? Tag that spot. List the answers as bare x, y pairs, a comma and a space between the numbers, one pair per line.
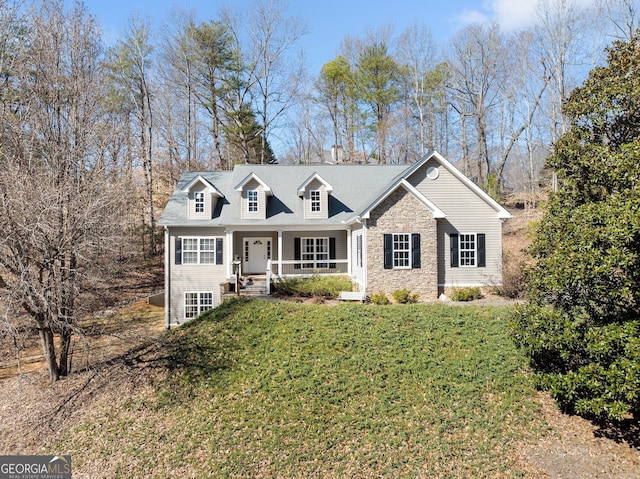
196, 303
401, 250
252, 201
315, 252
315, 200
199, 201
200, 250
467, 249
359, 250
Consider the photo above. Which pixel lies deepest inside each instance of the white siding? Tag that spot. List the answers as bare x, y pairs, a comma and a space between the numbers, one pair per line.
193, 277
466, 212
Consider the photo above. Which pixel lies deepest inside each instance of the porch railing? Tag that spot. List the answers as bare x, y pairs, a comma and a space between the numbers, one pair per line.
309, 268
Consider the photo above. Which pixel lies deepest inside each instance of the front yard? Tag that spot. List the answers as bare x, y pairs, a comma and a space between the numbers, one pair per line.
277, 389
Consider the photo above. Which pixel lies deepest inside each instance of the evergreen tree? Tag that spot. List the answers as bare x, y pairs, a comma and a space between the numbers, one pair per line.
581, 327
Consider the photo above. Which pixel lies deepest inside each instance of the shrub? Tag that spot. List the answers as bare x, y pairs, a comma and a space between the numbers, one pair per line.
466, 294
324, 286
513, 278
404, 296
379, 298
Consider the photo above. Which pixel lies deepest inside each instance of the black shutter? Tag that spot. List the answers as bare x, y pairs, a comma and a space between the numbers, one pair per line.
415, 250
388, 251
218, 250
178, 250
332, 252
296, 252
455, 262
482, 262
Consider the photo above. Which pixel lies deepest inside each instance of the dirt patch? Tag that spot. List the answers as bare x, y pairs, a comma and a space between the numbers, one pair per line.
577, 448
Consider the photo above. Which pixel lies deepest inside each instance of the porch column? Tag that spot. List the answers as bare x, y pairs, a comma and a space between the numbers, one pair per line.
365, 255
349, 252
229, 253
167, 279
280, 253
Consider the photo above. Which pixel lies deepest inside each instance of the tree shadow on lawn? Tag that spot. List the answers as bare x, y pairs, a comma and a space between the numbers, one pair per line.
199, 351
624, 431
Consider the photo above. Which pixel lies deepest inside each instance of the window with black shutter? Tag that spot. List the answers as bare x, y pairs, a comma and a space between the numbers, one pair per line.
401, 250
468, 250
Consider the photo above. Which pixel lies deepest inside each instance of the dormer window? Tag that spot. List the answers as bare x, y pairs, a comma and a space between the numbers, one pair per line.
200, 198
315, 193
199, 201
252, 201
315, 201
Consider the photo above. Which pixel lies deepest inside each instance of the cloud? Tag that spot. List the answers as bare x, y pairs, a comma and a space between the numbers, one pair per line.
510, 14
513, 14
469, 17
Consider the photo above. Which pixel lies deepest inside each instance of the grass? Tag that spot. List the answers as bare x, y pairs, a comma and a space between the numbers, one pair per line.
266, 389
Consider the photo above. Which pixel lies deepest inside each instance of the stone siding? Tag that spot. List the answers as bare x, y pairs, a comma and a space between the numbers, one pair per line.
401, 212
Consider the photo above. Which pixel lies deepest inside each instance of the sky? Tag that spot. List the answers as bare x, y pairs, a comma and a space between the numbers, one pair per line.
328, 21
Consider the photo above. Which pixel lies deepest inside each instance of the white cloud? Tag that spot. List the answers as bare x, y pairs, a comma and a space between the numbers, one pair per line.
510, 14
513, 14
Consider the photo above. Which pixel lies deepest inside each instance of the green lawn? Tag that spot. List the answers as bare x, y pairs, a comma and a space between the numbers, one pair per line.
276, 389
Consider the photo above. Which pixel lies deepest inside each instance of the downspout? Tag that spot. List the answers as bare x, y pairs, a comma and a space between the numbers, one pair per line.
167, 279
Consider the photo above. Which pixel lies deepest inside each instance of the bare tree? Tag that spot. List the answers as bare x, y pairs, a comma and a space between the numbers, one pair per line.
278, 73
129, 63
59, 209
178, 116
477, 77
520, 98
426, 78
562, 26
622, 15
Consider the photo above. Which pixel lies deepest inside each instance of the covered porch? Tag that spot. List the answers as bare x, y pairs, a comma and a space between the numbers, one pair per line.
285, 253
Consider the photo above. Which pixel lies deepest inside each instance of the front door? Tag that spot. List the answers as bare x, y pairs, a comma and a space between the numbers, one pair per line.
256, 253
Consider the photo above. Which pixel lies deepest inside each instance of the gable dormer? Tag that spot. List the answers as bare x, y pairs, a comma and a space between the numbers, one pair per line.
253, 198
202, 197
315, 193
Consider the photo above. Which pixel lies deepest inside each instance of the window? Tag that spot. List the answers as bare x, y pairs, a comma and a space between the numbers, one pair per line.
401, 250
196, 303
252, 201
207, 250
316, 251
199, 201
315, 200
468, 250
359, 250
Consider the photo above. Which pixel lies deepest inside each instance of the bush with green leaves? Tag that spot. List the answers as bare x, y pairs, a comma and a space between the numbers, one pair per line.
466, 294
581, 327
324, 286
404, 296
379, 299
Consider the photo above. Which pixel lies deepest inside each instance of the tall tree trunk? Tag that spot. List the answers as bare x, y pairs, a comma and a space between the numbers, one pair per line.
49, 349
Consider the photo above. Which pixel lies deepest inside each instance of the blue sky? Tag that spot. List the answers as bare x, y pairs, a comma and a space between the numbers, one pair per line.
330, 20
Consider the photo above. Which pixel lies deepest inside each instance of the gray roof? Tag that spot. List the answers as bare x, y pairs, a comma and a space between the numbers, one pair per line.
355, 187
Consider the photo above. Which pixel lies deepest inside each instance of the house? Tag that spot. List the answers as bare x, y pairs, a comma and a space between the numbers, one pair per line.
424, 227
